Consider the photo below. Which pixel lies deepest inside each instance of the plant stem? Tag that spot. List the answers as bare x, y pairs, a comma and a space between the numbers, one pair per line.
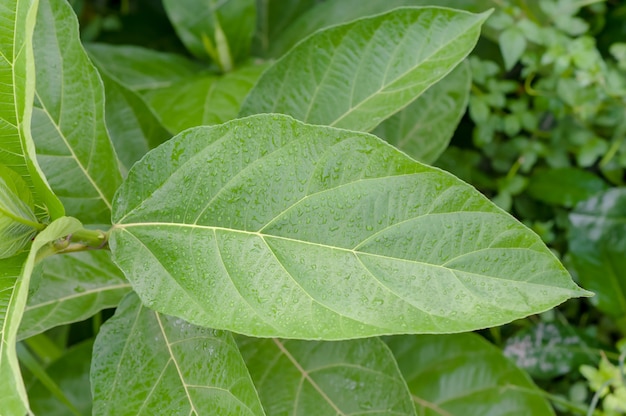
90, 238
37, 226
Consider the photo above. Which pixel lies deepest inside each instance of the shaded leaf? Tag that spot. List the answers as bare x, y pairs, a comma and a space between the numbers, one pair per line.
334, 12
73, 145
199, 23
71, 374
598, 249
473, 378
357, 377
72, 288
140, 69
270, 227
15, 275
145, 363
548, 350
424, 128
17, 77
203, 100
356, 75
564, 186
512, 46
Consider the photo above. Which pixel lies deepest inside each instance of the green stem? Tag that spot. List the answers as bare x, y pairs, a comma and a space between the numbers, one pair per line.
37, 226
90, 238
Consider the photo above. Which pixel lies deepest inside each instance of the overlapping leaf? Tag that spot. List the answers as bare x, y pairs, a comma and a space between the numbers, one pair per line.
72, 288
424, 128
463, 374
268, 226
73, 145
146, 363
297, 378
356, 75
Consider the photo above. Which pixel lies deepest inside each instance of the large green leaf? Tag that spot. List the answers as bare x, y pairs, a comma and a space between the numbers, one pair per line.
270, 227
551, 349
17, 77
218, 29
134, 129
15, 275
356, 377
71, 374
598, 249
463, 374
424, 128
73, 145
203, 100
145, 363
140, 69
356, 75
333, 12
72, 288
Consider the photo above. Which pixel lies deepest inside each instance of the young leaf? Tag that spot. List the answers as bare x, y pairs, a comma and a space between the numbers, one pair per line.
549, 350
140, 69
424, 128
73, 144
203, 100
71, 374
15, 275
145, 363
472, 377
598, 249
226, 25
334, 12
357, 377
356, 75
17, 77
72, 288
270, 227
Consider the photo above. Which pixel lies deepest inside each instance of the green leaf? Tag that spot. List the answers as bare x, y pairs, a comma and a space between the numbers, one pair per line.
564, 186
17, 77
463, 374
598, 249
134, 129
73, 288
334, 12
15, 275
274, 16
512, 46
424, 128
140, 69
73, 145
549, 350
199, 23
270, 227
145, 363
357, 377
203, 100
356, 75
18, 223
71, 374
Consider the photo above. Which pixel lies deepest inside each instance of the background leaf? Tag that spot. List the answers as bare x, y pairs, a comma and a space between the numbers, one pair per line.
71, 374
17, 72
358, 377
423, 129
193, 22
463, 374
73, 145
146, 363
15, 275
270, 227
356, 75
598, 249
203, 100
552, 349
564, 186
72, 288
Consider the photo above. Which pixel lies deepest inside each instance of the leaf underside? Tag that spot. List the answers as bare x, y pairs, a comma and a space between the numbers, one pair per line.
270, 227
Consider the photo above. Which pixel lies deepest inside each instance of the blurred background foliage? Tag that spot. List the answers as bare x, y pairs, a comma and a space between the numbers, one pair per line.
544, 137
